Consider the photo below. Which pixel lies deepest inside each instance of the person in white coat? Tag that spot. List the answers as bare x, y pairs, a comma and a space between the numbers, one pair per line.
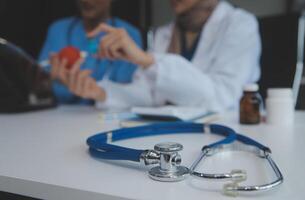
204, 58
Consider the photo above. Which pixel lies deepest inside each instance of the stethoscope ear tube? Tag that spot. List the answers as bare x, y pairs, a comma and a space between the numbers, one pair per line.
233, 189
237, 176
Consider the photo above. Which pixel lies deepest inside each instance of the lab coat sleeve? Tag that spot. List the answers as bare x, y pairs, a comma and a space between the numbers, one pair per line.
124, 96
220, 87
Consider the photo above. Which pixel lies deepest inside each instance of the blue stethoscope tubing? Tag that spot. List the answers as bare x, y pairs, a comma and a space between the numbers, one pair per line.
100, 148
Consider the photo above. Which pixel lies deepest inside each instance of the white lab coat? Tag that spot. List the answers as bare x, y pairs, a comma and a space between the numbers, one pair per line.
227, 58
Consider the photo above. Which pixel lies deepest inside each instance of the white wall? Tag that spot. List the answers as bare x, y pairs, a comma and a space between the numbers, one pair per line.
162, 12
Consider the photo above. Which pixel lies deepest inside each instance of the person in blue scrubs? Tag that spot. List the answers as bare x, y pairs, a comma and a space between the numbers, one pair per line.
73, 32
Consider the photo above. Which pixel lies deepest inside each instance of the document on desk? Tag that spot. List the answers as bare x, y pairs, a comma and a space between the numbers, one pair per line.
170, 113
146, 115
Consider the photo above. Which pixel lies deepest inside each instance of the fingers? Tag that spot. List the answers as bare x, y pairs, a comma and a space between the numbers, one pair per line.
112, 44
79, 85
76, 81
58, 68
94, 91
87, 88
62, 72
73, 73
115, 52
83, 85
54, 62
116, 45
106, 46
76, 67
101, 28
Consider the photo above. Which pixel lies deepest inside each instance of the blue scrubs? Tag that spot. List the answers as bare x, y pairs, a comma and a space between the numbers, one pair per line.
70, 31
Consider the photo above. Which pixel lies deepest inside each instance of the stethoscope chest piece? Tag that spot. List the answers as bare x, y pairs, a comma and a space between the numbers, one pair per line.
169, 169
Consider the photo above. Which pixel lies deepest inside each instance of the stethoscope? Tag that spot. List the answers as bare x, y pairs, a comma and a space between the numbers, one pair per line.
166, 155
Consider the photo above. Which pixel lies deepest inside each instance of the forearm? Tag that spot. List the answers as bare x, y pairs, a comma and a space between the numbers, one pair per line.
180, 82
145, 60
137, 93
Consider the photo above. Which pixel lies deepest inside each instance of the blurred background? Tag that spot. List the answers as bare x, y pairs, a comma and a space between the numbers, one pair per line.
25, 23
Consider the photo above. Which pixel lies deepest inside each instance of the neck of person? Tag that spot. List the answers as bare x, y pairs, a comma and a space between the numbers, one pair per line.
194, 28
91, 24
190, 38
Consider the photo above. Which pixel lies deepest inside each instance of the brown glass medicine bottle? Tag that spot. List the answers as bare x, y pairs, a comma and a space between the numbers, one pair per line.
250, 105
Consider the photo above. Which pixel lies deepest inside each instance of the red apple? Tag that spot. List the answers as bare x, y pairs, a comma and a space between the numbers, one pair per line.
71, 54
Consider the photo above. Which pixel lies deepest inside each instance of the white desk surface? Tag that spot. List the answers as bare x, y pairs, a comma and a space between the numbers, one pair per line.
44, 155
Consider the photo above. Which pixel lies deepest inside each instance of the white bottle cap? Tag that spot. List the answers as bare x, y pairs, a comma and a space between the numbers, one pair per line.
251, 87
280, 93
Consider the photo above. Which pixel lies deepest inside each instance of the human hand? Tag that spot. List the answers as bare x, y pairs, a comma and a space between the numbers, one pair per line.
117, 44
83, 85
59, 69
